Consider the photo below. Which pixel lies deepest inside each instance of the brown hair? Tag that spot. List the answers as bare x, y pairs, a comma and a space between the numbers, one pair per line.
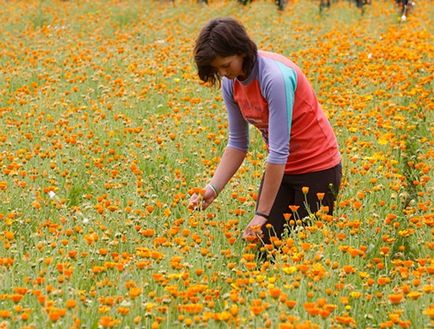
223, 37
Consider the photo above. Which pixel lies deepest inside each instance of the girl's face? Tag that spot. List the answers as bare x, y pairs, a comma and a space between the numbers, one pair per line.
230, 67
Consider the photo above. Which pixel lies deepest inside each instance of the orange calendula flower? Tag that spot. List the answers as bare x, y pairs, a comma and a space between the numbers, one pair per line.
290, 303
123, 310
395, 298
4, 314
348, 269
55, 314
274, 292
414, 295
134, 292
320, 196
108, 322
70, 303
430, 311
347, 320
21, 290
16, 298
249, 257
250, 265
382, 280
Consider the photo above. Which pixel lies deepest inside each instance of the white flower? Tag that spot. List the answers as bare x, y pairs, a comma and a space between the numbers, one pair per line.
85, 220
369, 56
403, 18
51, 194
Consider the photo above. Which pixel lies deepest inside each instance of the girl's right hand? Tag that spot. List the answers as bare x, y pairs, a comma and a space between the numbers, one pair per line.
202, 201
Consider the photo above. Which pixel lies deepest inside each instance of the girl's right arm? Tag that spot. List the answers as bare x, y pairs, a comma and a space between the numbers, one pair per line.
234, 154
231, 160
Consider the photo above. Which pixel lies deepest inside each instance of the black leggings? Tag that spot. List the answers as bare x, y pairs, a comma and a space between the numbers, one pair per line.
290, 193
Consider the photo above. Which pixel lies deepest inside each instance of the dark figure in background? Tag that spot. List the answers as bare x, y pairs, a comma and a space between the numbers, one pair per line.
405, 7
281, 4
324, 4
359, 3
173, 1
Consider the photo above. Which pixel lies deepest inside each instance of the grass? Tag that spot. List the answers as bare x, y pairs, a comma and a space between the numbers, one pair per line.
100, 104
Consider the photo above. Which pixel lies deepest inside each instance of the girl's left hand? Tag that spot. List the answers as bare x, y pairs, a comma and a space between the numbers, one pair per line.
254, 228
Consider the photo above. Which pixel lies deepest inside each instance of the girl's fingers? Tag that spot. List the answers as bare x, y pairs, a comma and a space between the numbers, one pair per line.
205, 204
196, 201
200, 202
251, 234
193, 202
247, 232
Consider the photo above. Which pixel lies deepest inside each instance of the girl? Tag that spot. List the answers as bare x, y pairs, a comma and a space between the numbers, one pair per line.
270, 92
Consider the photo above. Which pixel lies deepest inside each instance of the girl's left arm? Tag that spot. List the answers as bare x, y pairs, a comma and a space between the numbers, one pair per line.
272, 179
278, 86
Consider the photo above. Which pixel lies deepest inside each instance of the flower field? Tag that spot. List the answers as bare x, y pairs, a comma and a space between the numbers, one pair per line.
105, 132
